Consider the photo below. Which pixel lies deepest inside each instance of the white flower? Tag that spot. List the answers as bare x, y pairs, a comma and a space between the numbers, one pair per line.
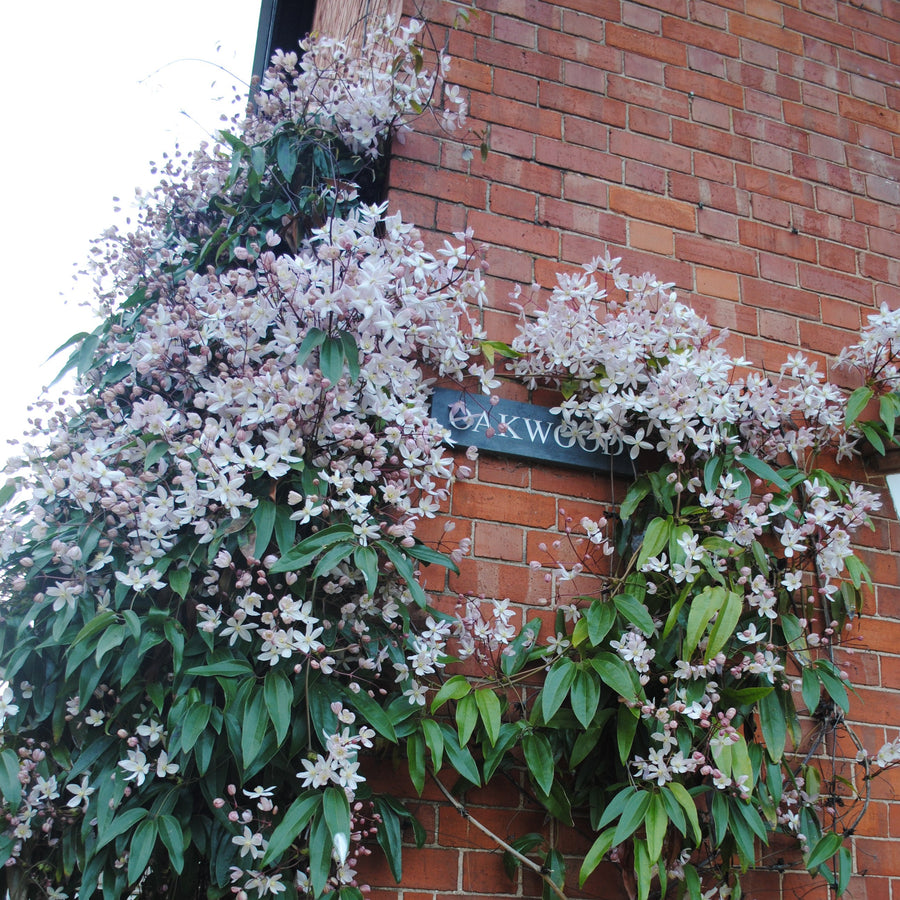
80, 793
137, 766
249, 842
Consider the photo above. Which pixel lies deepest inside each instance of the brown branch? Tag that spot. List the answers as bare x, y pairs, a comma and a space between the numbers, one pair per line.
535, 867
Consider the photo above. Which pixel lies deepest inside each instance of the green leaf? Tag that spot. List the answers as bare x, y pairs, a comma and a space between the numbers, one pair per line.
254, 727
351, 354
689, 806
434, 740
512, 662
811, 689
155, 452
601, 615
194, 723
119, 825
459, 757
403, 565
774, 727
10, 786
870, 432
825, 848
616, 805
315, 337
295, 820
97, 624
366, 560
833, 685
173, 838
415, 754
264, 523
856, 403
725, 623
635, 612
320, 845
141, 848
656, 825
539, 759
227, 668
390, 838
372, 711
632, 816
595, 855
633, 498
336, 809
585, 695
615, 673
556, 686
429, 555
703, 607
279, 695
331, 359
490, 711
555, 869
286, 154
113, 637
655, 538
333, 557
308, 549
466, 718
454, 688
764, 471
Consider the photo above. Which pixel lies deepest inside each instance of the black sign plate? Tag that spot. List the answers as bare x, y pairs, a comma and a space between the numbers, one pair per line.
528, 430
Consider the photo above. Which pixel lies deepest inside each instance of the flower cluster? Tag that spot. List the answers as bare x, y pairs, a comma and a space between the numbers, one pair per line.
211, 566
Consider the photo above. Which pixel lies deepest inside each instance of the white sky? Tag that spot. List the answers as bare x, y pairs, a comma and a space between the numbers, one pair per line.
95, 90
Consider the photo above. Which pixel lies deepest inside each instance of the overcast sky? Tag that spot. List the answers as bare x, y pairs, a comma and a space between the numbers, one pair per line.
95, 90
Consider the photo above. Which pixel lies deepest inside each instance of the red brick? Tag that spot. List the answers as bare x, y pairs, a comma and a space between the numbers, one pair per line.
715, 254
642, 68
516, 86
695, 35
518, 172
711, 140
428, 867
705, 86
653, 238
806, 24
573, 158
538, 63
716, 283
512, 113
815, 120
649, 122
498, 541
568, 216
815, 279
508, 201
779, 297
660, 153
651, 96
777, 240
766, 34
653, 209
670, 52
589, 134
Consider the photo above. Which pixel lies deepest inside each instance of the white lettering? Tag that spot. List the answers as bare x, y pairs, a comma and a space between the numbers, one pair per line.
481, 422
558, 437
459, 417
509, 429
538, 429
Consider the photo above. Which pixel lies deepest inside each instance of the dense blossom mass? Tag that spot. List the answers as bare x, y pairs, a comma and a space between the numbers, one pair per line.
212, 609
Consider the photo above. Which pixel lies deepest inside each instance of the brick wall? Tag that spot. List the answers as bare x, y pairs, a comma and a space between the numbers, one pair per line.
746, 150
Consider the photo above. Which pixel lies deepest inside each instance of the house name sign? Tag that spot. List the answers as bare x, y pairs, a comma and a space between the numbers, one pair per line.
519, 429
